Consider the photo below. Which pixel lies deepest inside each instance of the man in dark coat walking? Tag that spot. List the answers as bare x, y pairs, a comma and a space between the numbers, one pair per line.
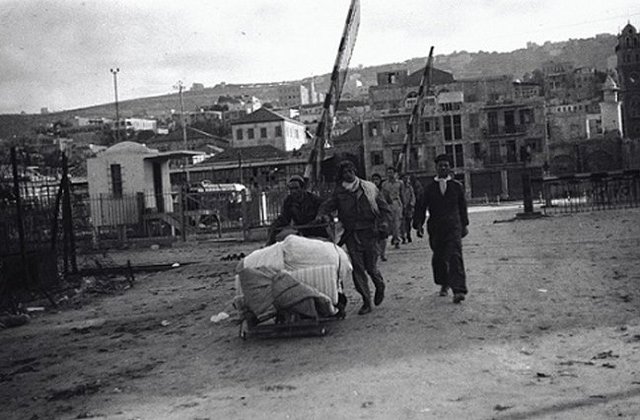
445, 200
365, 217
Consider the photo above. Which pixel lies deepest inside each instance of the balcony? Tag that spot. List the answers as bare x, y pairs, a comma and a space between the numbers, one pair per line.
505, 131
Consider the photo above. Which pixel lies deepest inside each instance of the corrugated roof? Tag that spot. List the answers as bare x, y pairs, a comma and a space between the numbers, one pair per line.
263, 152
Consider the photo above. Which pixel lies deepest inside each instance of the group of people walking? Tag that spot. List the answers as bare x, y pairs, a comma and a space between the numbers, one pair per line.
400, 193
372, 211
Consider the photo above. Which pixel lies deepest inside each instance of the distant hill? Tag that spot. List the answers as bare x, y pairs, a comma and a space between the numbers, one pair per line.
590, 52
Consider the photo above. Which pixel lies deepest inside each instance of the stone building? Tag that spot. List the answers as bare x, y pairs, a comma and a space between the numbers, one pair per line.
490, 141
395, 87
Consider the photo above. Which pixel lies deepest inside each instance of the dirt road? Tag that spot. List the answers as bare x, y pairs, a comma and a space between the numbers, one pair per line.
550, 329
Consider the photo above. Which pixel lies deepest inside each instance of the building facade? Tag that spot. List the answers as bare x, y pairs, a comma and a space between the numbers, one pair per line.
628, 53
293, 95
491, 137
266, 127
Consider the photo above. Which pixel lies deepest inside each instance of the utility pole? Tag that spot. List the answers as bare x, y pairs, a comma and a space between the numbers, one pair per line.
183, 123
115, 88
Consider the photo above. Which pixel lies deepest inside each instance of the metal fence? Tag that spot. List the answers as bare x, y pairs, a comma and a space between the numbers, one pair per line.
179, 214
590, 192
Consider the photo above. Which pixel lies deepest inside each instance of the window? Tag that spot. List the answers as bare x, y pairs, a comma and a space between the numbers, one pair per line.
459, 156
278, 131
414, 158
250, 134
477, 150
474, 120
239, 134
452, 127
493, 122
494, 152
450, 106
448, 150
509, 121
511, 150
395, 156
377, 158
446, 124
455, 154
116, 181
457, 127
373, 129
526, 116
431, 125
263, 132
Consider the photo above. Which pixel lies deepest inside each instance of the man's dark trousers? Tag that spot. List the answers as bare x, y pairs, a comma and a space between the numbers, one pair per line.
363, 251
447, 263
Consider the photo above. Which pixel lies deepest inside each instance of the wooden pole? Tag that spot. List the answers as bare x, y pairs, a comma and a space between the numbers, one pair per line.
65, 216
68, 221
19, 217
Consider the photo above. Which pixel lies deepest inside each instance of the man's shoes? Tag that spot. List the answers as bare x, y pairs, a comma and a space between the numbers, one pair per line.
383, 258
365, 309
397, 245
444, 291
458, 297
378, 297
404, 241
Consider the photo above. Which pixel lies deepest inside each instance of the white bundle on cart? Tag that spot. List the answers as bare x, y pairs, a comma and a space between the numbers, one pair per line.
319, 265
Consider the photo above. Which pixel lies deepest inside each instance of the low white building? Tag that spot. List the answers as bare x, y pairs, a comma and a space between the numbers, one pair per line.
127, 180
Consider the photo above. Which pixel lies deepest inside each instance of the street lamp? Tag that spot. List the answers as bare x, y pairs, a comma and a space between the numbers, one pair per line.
183, 123
115, 88
183, 120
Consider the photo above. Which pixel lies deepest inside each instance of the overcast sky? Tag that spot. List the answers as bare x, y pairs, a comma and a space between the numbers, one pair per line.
57, 54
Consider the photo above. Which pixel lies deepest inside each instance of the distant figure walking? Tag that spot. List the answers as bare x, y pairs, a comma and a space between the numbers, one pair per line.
448, 222
408, 207
382, 242
392, 190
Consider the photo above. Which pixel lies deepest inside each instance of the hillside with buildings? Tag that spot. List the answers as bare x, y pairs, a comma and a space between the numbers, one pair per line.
553, 111
596, 52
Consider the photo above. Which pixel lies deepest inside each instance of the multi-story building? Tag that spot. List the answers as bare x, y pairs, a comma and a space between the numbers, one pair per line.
587, 83
266, 127
293, 95
558, 79
628, 53
585, 136
491, 138
395, 87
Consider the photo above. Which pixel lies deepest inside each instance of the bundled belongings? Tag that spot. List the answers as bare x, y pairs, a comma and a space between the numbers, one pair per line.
293, 283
